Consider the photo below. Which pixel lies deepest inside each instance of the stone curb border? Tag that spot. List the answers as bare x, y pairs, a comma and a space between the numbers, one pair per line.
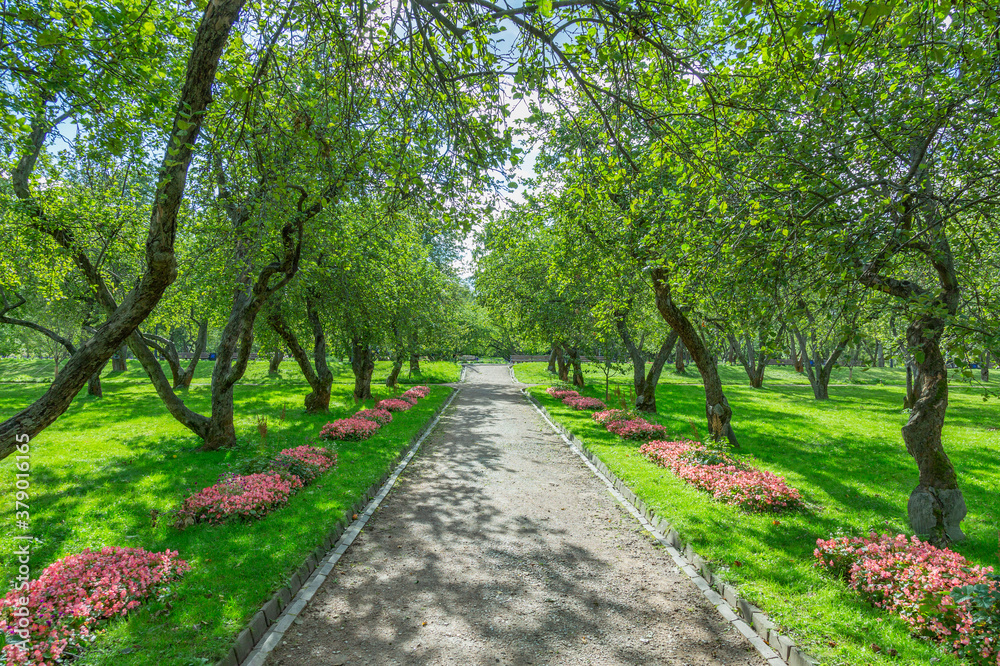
752, 622
266, 629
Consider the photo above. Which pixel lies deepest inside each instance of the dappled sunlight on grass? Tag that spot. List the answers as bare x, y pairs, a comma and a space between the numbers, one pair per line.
846, 456
102, 468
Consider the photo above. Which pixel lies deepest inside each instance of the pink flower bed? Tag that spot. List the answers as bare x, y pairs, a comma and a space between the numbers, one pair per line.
728, 481
913, 579
609, 415
419, 391
249, 496
304, 462
394, 404
351, 429
635, 429
74, 595
583, 402
559, 393
378, 415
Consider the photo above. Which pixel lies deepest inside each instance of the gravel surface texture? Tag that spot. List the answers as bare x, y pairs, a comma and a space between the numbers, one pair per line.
498, 546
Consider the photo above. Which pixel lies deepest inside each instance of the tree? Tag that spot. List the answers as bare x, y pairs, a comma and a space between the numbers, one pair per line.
71, 86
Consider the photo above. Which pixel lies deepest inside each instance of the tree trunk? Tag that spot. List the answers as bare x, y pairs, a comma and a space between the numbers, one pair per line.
552, 359
753, 362
563, 367
644, 382
879, 354
936, 507
819, 371
717, 410
118, 362
363, 366
797, 358
94, 385
574, 358
984, 368
320, 380
275, 363
161, 265
187, 375
397, 367
679, 358
414, 354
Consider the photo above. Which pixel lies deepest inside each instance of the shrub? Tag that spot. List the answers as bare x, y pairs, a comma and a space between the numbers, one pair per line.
726, 479
408, 397
394, 404
350, 429
378, 415
583, 402
247, 497
609, 415
305, 462
559, 393
928, 587
75, 595
635, 428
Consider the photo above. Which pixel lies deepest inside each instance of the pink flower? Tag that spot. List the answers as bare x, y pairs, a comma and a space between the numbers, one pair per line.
635, 429
353, 428
559, 393
913, 580
249, 497
726, 479
378, 415
418, 392
611, 415
394, 404
582, 402
74, 596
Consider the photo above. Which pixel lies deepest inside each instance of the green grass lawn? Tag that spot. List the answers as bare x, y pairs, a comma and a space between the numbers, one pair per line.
99, 471
776, 375
431, 372
847, 458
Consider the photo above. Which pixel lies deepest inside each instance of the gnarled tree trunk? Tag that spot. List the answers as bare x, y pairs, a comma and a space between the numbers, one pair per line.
644, 381
320, 380
275, 363
819, 370
161, 265
574, 359
552, 359
363, 365
717, 410
984, 368
118, 361
679, 358
562, 367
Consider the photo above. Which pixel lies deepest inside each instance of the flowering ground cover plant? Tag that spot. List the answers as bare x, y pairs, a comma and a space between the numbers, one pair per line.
914, 580
378, 415
726, 479
247, 497
305, 462
608, 415
583, 402
635, 428
559, 393
353, 428
75, 595
394, 404
418, 391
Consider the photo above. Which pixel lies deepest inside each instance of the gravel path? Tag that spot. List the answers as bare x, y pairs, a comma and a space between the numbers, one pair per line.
498, 546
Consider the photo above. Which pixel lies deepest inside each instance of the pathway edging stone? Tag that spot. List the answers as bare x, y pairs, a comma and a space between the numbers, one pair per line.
264, 632
752, 622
